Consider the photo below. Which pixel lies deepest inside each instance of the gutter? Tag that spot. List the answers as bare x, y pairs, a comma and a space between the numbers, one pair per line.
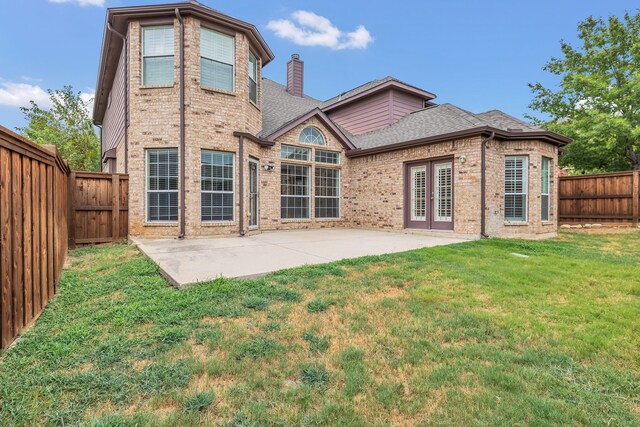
125, 46
182, 136
483, 184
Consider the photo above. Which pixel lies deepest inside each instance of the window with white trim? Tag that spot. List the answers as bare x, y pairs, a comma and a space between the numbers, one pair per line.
327, 193
290, 152
162, 184
515, 188
546, 186
217, 186
157, 55
217, 53
330, 157
311, 135
253, 78
443, 191
294, 191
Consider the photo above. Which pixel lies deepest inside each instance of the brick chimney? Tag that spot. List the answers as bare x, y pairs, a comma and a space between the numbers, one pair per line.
295, 75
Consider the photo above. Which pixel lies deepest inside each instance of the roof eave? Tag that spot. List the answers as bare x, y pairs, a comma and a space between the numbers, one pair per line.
316, 112
392, 84
547, 136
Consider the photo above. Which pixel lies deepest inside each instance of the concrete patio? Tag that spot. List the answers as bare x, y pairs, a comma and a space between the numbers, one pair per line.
189, 261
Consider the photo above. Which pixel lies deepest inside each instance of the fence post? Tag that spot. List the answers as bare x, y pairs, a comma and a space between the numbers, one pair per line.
72, 211
636, 196
115, 207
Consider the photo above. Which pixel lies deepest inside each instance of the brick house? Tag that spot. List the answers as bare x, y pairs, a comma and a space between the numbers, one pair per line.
212, 148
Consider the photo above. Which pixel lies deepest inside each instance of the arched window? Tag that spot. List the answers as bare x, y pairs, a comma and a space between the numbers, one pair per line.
311, 135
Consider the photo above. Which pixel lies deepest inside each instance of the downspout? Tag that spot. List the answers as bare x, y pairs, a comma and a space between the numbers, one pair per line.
182, 144
125, 46
483, 182
101, 152
241, 183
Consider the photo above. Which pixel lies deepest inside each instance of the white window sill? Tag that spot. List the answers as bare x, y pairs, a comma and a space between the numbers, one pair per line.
161, 224
216, 90
287, 220
516, 223
548, 223
328, 219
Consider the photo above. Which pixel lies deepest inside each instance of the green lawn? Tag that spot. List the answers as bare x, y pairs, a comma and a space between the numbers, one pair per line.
468, 334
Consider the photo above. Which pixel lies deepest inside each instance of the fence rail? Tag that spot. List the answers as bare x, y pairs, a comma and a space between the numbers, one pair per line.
611, 198
33, 230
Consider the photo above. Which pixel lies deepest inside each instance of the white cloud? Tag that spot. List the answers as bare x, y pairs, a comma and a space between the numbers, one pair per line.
308, 29
19, 95
88, 97
98, 3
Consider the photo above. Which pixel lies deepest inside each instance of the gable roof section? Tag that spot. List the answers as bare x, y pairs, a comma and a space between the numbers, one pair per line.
118, 19
371, 88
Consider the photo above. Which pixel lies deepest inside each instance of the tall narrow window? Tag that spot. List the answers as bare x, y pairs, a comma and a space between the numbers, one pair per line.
546, 182
294, 190
418, 193
443, 189
217, 52
253, 78
327, 194
162, 184
157, 55
216, 181
515, 188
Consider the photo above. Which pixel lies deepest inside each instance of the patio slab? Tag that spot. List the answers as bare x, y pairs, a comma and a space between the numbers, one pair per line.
189, 261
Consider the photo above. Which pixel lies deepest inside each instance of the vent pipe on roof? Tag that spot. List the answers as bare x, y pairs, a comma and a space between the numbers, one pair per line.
295, 75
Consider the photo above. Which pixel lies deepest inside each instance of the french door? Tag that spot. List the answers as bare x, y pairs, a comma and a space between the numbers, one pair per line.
254, 203
429, 194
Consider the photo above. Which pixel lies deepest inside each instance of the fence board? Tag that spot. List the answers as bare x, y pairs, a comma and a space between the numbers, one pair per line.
611, 198
100, 205
33, 234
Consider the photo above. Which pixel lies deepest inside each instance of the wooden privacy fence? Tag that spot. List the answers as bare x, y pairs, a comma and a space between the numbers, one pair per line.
99, 207
33, 229
611, 198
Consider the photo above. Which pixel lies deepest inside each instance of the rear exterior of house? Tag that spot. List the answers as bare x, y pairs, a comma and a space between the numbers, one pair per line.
212, 148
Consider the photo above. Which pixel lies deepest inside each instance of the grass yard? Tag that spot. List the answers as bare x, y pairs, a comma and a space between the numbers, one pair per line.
467, 334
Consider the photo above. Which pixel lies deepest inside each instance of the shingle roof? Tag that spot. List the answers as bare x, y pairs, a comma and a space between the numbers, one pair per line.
434, 121
280, 108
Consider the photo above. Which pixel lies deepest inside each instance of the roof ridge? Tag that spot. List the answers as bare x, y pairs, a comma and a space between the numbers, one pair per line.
455, 109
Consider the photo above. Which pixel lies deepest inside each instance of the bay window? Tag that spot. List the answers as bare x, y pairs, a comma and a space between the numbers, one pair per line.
217, 53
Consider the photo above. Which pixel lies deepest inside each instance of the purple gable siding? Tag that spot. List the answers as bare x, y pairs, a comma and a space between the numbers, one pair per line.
113, 125
376, 111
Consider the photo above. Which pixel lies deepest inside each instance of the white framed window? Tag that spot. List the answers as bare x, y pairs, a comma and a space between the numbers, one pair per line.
545, 183
294, 191
311, 135
157, 55
443, 191
162, 185
330, 157
253, 78
327, 193
217, 53
217, 186
516, 171
290, 152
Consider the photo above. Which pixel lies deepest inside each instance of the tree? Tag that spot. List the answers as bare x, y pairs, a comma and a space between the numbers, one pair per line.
67, 126
597, 102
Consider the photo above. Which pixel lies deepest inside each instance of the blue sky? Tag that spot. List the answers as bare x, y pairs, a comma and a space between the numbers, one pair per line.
478, 55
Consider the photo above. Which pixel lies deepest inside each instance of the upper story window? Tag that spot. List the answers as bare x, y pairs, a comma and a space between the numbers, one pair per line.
323, 156
253, 78
311, 135
217, 53
157, 55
